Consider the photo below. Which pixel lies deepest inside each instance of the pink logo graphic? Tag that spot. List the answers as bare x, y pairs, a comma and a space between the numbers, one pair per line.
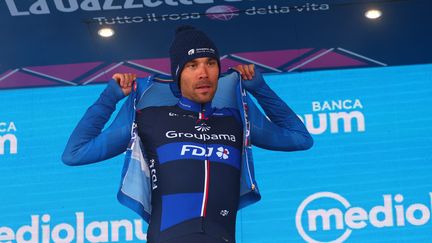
222, 12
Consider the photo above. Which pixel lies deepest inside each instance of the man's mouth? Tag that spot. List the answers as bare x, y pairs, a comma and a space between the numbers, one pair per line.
203, 87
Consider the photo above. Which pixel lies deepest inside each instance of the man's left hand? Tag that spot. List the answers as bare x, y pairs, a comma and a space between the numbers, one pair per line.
247, 71
252, 79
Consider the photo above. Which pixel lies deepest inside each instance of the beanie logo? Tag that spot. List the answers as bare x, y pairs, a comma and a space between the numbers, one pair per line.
201, 50
205, 50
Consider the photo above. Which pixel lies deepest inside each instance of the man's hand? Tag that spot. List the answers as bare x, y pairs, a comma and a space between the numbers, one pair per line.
252, 79
247, 71
125, 81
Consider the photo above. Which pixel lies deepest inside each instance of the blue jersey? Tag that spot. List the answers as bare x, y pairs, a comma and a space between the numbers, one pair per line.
208, 144
194, 154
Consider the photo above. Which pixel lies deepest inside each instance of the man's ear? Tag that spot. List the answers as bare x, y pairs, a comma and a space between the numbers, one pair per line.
175, 89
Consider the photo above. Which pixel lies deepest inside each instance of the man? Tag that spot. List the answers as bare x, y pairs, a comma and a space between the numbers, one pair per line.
189, 166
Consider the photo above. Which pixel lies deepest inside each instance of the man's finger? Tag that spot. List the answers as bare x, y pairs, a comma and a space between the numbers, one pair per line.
122, 81
130, 80
242, 71
239, 69
116, 77
252, 70
127, 80
247, 72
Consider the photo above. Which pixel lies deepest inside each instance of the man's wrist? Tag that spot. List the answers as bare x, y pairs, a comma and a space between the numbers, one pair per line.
255, 84
114, 91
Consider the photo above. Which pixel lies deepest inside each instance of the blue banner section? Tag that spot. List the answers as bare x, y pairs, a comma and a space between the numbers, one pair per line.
214, 152
368, 174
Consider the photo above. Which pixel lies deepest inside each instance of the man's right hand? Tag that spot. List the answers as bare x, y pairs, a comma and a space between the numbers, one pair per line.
125, 81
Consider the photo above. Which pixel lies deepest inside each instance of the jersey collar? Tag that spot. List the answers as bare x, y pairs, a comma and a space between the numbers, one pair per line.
190, 105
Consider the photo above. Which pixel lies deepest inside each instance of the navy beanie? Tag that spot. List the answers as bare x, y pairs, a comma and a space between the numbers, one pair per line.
190, 43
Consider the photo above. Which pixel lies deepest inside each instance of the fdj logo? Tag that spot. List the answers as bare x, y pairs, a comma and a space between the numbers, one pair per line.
221, 153
8, 138
335, 224
196, 150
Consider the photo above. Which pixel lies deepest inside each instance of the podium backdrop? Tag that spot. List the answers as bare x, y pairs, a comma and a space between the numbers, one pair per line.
367, 178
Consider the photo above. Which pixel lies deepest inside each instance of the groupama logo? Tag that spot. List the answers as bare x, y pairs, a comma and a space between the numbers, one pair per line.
338, 219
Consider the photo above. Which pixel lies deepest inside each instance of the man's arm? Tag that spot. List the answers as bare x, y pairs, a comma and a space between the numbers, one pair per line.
88, 143
284, 131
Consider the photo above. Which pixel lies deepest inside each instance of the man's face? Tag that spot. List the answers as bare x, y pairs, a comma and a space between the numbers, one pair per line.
199, 79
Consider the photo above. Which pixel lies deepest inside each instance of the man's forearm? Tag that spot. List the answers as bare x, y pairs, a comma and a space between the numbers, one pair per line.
87, 143
284, 131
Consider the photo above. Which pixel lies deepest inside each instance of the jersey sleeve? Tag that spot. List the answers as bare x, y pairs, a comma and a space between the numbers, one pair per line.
89, 141
280, 129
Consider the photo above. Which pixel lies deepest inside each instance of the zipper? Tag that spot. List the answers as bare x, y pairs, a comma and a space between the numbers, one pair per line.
201, 117
206, 187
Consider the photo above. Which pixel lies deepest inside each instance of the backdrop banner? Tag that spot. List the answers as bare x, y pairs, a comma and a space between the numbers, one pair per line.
56, 42
367, 178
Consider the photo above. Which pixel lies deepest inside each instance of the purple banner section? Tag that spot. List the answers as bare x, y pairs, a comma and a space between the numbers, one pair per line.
277, 35
99, 72
161, 65
329, 58
106, 73
273, 59
65, 72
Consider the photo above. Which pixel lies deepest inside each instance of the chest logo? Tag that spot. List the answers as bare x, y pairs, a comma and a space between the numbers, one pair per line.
224, 212
222, 153
196, 150
202, 127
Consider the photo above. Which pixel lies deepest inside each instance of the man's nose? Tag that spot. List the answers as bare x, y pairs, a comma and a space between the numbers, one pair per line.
202, 71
